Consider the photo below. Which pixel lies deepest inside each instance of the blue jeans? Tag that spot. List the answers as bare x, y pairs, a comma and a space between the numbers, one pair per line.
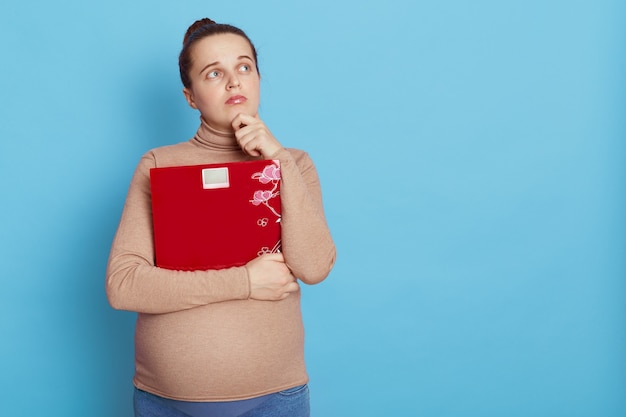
293, 402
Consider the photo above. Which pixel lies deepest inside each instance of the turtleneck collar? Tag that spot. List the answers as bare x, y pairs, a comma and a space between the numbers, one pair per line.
209, 137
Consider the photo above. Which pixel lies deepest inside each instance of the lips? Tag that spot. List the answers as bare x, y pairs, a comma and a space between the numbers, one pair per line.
236, 100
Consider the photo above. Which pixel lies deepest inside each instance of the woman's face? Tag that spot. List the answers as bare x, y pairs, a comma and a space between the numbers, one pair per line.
224, 80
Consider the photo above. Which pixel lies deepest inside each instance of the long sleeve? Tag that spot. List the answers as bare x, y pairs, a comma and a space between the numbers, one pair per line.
214, 336
134, 283
306, 240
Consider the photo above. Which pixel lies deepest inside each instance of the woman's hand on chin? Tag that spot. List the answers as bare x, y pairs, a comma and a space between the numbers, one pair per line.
254, 137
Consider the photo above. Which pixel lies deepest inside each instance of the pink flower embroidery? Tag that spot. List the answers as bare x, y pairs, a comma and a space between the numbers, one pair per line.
260, 197
265, 249
270, 173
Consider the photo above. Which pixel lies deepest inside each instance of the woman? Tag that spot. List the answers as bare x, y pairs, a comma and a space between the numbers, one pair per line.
225, 342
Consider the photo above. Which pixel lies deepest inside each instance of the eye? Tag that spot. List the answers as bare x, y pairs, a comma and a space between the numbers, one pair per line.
213, 74
244, 68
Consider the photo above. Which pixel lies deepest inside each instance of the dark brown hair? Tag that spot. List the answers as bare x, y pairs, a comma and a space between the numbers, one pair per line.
201, 29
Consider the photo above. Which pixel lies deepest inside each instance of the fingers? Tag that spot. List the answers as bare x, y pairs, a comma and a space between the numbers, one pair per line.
270, 278
289, 289
243, 120
249, 145
292, 287
277, 257
253, 136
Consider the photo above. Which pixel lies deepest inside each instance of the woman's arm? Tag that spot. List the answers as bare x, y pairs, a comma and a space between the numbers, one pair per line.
306, 240
134, 283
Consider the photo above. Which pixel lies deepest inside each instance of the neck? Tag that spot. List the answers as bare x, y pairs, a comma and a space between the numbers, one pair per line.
211, 137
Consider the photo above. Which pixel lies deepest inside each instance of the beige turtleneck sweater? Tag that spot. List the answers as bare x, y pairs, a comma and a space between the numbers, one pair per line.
198, 335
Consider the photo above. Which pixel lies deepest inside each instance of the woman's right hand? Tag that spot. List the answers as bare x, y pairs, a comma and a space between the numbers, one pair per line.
270, 278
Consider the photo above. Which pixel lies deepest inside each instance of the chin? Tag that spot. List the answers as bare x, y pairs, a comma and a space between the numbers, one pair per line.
251, 111
248, 109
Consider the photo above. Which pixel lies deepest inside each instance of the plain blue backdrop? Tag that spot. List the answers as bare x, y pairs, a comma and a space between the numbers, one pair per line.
473, 163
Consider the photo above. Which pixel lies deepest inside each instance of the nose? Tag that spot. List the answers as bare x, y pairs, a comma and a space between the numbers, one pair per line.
233, 82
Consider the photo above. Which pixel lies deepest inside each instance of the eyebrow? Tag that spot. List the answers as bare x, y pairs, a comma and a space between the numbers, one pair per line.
217, 62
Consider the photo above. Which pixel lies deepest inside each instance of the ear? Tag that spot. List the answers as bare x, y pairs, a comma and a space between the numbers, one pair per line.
189, 97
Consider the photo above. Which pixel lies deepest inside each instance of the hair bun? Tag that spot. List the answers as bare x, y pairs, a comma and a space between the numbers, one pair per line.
197, 25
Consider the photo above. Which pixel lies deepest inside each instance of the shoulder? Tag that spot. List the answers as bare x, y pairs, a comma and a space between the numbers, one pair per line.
299, 160
297, 153
302, 158
164, 151
168, 155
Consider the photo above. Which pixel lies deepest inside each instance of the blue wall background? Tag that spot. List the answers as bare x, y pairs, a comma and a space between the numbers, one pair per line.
473, 162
